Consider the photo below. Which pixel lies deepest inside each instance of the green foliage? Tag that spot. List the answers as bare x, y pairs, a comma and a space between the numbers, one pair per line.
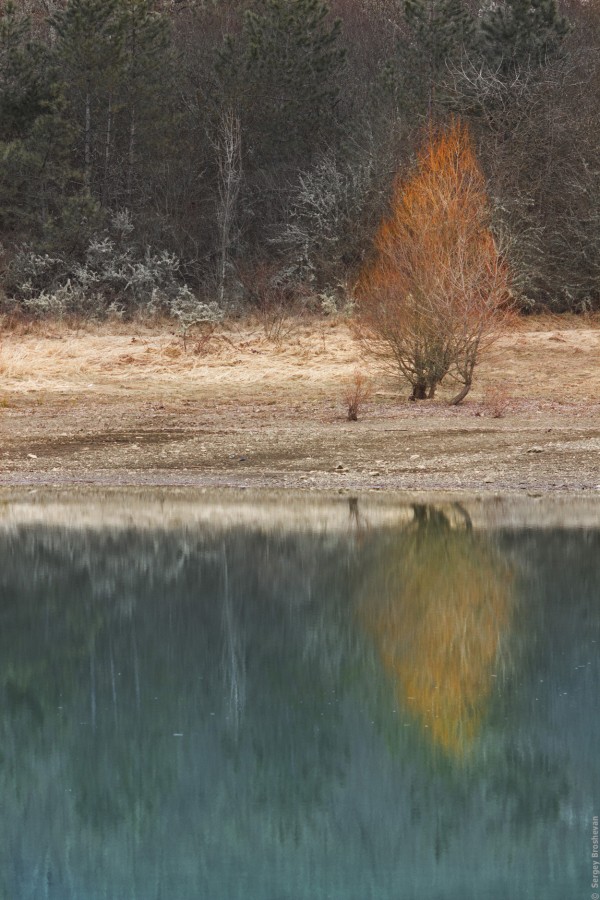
444, 29
70, 231
522, 32
39, 188
36, 173
25, 75
37, 181
116, 69
290, 62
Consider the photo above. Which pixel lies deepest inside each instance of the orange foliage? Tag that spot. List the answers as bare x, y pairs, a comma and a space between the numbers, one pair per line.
437, 289
438, 618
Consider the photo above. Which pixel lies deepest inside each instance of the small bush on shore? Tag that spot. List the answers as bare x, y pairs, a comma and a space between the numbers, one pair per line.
356, 393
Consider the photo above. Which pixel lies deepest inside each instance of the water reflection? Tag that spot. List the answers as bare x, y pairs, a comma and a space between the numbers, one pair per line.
438, 603
268, 713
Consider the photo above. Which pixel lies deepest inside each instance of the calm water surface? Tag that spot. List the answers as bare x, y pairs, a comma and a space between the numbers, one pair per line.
364, 711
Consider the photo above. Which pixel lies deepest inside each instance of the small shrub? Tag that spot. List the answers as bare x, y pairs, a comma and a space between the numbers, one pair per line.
57, 304
496, 401
329, 304
335, 307
207, 331
357, 391
276, 298
191, 312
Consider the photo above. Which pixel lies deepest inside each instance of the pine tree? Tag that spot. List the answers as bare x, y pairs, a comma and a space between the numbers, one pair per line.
24, 83
286, 74
443, 29
522, 32
146, 74
36, 175
115, 61
439, 33
90, 48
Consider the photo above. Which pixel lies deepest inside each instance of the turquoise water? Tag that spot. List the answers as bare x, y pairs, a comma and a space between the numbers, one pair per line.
393, 711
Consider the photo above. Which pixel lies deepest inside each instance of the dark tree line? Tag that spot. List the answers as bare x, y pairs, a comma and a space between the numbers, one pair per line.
225, 146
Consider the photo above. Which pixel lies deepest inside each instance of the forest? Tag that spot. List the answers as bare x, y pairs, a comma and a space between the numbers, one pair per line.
200, 158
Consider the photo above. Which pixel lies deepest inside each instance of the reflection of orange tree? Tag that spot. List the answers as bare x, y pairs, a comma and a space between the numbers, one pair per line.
438, 607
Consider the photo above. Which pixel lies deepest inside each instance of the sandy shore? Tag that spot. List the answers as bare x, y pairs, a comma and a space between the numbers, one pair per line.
127, 405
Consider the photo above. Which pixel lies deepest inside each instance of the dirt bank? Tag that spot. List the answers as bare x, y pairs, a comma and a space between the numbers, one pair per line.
128, 405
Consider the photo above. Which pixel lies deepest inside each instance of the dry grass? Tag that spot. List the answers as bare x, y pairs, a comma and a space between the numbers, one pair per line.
538, 360
115, 357
557, 322
114, 403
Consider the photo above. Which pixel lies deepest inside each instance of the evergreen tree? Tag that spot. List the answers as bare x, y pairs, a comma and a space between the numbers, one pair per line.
24, 75
443, 29
522, 32
281, 77
115, 62
286, 73
439, 34
36, 175
90, 48
145, 87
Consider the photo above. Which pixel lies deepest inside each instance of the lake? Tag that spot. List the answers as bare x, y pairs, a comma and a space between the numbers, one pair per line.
296, 699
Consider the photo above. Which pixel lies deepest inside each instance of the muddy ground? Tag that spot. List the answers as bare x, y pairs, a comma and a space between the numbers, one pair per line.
244, 407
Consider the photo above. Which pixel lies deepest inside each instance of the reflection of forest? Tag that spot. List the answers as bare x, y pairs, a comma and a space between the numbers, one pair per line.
112, 644
438, 602
180, 707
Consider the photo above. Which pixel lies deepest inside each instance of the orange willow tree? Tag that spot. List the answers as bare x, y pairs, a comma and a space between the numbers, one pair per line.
437, 290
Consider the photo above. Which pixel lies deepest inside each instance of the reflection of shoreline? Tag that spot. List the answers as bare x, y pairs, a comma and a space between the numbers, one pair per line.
285, 511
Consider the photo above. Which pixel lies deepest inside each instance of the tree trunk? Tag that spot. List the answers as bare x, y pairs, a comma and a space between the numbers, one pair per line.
419, 391
105, 192
131, 160
228, 146
88, 140
461, 394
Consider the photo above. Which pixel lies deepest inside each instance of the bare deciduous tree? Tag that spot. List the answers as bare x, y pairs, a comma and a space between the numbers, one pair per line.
438, 290
228, 145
